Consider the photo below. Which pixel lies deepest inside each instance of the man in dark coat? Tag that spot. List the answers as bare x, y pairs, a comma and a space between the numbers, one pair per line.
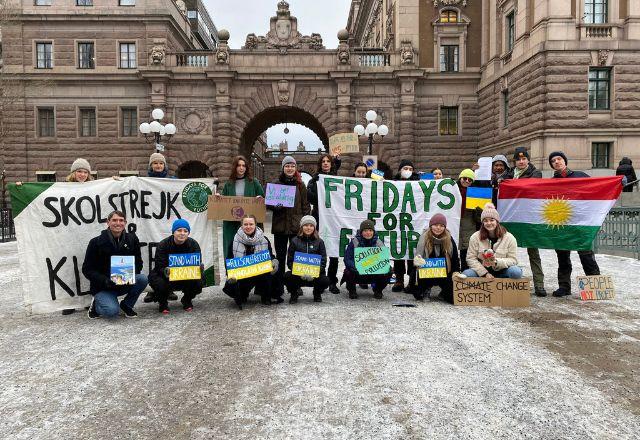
114, 241
625, 168
558, 161
178, 243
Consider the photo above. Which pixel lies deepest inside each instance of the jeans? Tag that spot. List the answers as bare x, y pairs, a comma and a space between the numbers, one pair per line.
589, 265
511, 272
106, 301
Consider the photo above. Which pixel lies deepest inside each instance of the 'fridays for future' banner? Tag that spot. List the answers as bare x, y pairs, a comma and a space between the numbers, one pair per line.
55, 221
400, 209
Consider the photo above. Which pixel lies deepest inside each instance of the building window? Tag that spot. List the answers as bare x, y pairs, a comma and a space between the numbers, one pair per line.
129, 121
448, 16
599, 86
127, 55
86, 56
42, 2
192, 14
505, 108
84, 2
449, 58
511, 30
45, 176
448, 120
595, 11
46, 122
44, 55
126, 2
600, 154
87, 122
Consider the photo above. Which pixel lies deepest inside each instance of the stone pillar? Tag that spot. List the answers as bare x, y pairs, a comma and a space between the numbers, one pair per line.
406, 145
223, 148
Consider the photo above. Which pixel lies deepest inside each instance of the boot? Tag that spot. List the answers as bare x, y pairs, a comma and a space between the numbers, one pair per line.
149, 298
163, 308
294, 298
539, 291
377, 294
317, 297
333, 288
398, 286
353, 294
187, 305
561, 292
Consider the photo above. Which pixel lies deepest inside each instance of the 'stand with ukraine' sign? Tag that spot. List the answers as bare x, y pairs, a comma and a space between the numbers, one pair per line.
184, 267
306, 264
433, 268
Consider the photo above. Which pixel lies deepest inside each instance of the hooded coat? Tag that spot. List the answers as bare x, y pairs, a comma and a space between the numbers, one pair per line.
625, 168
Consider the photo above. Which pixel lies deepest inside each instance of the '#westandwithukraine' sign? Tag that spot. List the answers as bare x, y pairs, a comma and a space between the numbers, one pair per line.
249, 266
306, 264
184, 267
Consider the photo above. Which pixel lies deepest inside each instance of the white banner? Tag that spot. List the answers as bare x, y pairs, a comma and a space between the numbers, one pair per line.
56, 222
400, 209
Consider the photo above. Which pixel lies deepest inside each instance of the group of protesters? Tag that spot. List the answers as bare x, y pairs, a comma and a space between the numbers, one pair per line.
485, 248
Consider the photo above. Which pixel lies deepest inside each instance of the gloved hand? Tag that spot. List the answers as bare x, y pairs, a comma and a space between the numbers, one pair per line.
232, 280
275, 264
166, 272
307, 278
418, 261
277, 207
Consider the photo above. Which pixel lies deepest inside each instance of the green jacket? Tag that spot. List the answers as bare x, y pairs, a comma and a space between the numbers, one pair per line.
229, 228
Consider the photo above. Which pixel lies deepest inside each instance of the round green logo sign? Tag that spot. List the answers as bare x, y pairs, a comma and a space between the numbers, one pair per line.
195, 196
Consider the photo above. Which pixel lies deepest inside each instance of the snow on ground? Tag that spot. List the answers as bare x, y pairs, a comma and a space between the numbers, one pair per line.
341, 369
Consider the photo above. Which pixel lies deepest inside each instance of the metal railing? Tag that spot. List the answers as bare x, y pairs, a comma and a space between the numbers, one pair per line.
620, 233
7, 228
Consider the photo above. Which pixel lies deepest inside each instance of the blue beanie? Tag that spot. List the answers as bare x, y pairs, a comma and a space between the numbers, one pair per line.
180, 223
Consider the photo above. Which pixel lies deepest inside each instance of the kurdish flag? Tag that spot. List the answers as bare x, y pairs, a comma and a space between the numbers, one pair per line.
557, 213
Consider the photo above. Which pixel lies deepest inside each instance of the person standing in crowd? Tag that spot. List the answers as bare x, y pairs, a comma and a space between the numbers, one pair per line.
406, 172
492, 250
437, 173
558, 161
286, 221
436, 242
625, 168
326, 165
114, 241
158, 166
499, 171
177, 243
365, 237
468, 217
241, 183
307, 241
386, 170
360, 170
249, 240
524, 169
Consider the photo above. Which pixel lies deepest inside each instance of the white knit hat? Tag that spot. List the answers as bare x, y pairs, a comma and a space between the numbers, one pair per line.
490, 211
157, 157
80, 164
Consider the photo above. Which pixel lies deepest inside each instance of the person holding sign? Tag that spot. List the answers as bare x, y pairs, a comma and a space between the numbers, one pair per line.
178, 267
326, 165
248, 241
113, 241
492, 250
436, 260
286, 221
306, 260
241, 183
366, 237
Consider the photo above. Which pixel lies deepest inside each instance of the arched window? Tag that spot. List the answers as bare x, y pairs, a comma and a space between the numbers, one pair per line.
448, 16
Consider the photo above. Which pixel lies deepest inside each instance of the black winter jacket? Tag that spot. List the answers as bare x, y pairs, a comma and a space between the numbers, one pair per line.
570, 174
97, 260
626, 169
312, 188
530, 173
286, 221
169, 247
307, 245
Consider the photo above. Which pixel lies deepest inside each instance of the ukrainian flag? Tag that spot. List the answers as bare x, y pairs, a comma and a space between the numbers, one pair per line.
478, 197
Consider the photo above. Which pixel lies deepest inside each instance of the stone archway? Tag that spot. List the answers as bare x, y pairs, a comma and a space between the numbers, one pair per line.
193, 169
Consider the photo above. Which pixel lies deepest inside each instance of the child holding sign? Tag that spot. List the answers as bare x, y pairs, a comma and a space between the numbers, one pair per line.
434, 248
306, 259
171, 248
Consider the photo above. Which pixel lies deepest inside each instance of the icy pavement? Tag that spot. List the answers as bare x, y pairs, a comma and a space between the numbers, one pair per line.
337, 370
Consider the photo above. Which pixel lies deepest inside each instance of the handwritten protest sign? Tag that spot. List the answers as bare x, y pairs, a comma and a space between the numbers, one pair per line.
234, 208
372, 260
377, 175
596, 287
249, 266
284, 195
433, 268
123, 270
370, 161
498, 292
306, 264
344, 143
184, 267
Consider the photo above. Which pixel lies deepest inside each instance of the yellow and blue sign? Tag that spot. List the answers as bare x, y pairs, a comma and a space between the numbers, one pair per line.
478, 197
306, 264
184, 267
433, 268
249, 266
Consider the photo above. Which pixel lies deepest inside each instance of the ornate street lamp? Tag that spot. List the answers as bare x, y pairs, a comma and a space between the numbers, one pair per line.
371, 129
154, 131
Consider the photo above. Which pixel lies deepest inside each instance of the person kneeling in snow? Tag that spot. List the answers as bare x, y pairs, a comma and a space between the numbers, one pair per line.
307, 241
436, 242
178, 243
365, 237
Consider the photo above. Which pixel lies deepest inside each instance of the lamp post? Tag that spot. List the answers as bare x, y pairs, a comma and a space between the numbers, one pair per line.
154, 131
371, 129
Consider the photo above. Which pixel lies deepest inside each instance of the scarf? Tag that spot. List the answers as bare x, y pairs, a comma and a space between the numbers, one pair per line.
164, 173
517, 172
244, 245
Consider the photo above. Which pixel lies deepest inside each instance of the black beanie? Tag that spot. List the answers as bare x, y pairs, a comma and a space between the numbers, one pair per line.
405, 163
367, 224
558, 153
521, 152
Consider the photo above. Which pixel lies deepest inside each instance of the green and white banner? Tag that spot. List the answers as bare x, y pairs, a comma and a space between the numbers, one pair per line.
400, 209
55, 221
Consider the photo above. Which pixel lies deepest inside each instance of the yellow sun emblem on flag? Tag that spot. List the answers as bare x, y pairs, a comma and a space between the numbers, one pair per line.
556, 212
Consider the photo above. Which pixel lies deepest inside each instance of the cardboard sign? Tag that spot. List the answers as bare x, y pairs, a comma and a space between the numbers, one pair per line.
377, 175
372, 260
371, 162
306, 264
284, 195
478, 197
249, 266
344, 143
184, 267
433, 268
498, 292
234, 208
123, 270
596, 287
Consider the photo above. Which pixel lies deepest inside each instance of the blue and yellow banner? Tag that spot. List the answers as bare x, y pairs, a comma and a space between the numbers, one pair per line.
306, 264
478, 197
249, 266
433, 268
184, 267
